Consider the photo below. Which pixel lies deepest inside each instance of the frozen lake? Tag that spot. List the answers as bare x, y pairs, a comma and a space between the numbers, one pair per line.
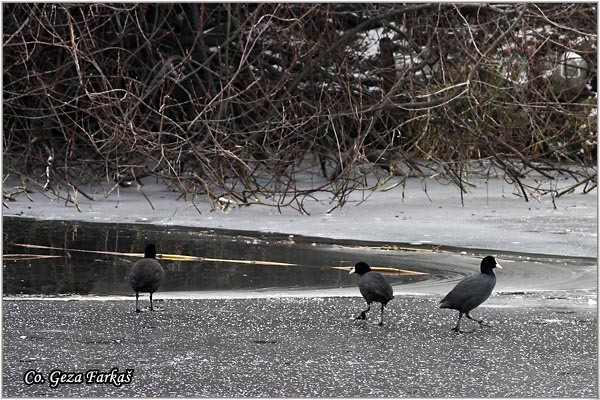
540, 346
262, 305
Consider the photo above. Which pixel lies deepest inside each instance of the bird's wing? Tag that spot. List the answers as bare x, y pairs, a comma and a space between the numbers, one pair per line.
380, 286
146, 272
468, 289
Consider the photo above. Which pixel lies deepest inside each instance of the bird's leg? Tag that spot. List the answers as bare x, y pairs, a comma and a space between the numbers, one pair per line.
457, 327
137, 309
363, 314
151, 307
479, 321
381, 317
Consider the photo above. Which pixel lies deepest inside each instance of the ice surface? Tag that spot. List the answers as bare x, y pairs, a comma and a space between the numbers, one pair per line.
302, 347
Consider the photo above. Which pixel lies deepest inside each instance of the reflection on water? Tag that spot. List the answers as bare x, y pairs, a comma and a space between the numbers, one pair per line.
72, 272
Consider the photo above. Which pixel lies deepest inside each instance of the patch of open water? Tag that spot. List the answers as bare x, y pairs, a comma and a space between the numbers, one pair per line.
218, 260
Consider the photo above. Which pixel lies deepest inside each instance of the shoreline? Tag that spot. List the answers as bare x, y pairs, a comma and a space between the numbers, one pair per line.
491, 218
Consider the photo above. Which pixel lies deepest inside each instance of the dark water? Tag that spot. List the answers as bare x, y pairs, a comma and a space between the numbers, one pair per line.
89, 273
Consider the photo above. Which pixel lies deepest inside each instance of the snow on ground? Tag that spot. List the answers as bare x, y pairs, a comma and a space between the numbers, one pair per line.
492, 217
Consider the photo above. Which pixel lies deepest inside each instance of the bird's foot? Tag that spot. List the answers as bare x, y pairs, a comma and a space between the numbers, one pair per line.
362, 316
137, 310
484, 323
457, 330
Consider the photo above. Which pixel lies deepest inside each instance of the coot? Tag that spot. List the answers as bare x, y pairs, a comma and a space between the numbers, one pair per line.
373, 287
472, 291
146, 275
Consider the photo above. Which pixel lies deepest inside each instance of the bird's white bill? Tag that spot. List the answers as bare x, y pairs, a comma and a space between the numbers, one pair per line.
352, 271
498, 266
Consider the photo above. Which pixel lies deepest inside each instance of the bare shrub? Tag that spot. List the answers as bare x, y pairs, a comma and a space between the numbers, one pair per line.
270, 103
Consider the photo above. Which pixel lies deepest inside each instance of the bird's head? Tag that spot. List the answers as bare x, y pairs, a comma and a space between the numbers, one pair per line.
360, 268
488, 264
150, 251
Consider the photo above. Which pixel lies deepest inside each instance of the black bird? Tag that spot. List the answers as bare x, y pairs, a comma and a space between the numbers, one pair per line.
472, 291
146, 275
373, 287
